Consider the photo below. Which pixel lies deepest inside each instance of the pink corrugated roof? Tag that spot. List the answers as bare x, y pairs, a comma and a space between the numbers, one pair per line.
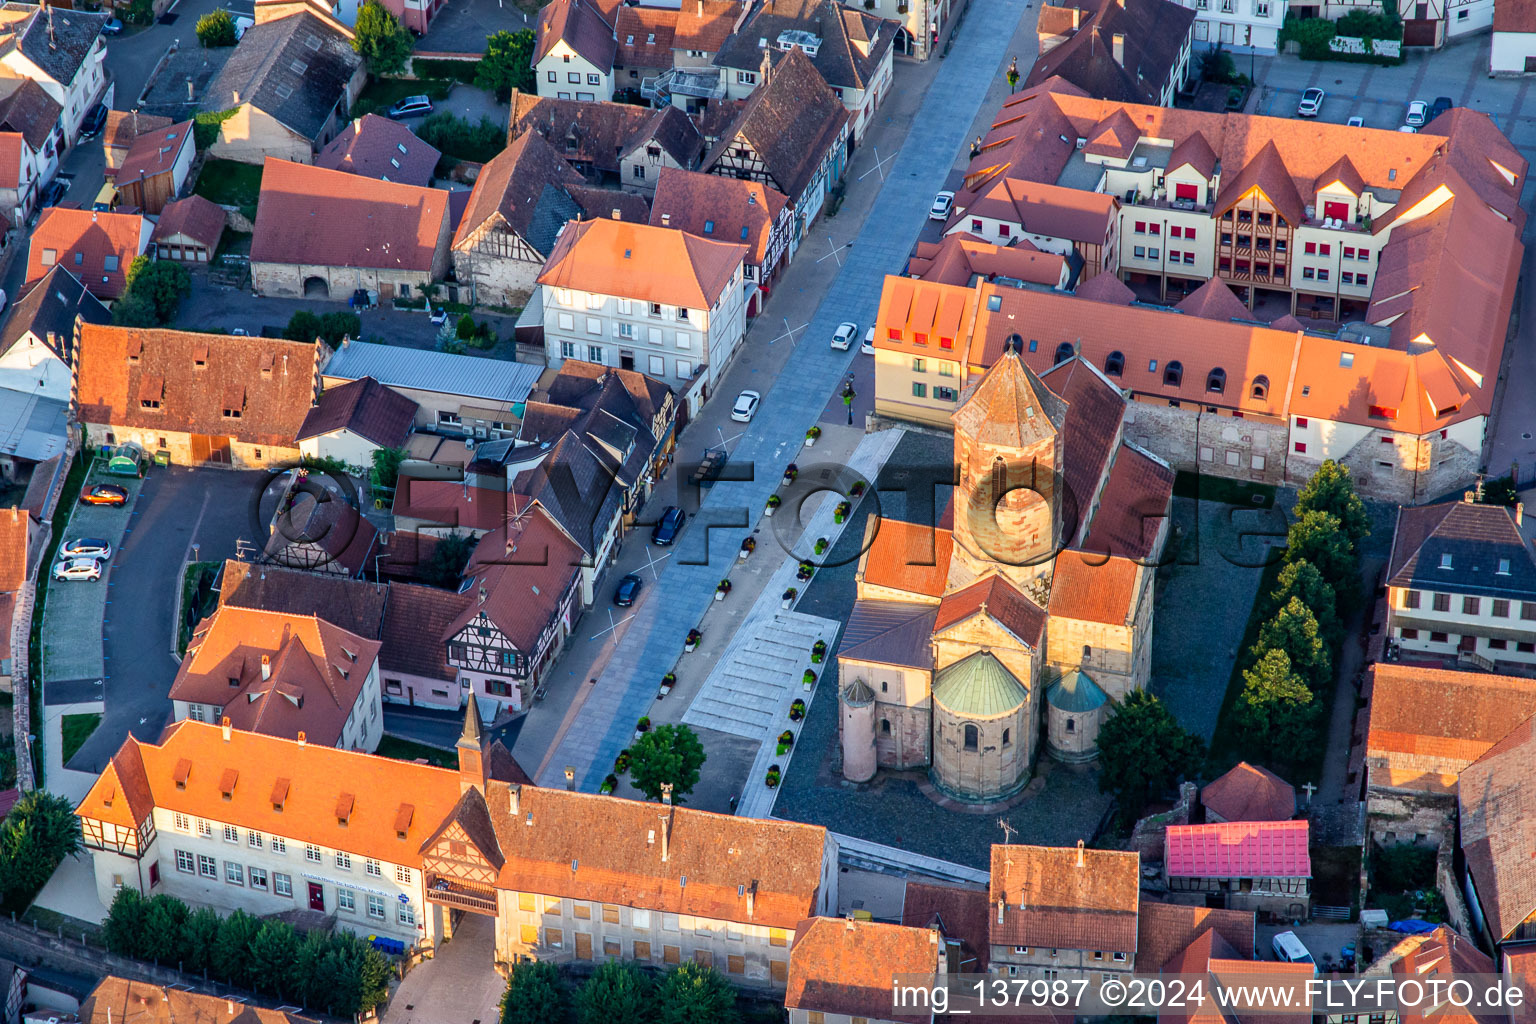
1239, 849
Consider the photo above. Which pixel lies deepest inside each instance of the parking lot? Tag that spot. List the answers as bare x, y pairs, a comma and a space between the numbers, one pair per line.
123, 627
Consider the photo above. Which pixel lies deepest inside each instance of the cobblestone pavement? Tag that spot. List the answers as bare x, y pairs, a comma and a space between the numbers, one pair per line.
895, 811
457, 986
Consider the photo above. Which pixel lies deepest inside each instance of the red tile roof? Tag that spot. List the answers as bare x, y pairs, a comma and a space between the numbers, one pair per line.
318, 217
268, 381
376, 147
1497, 799
1239, 849
582, 26
1214, 300
996, 598
96, 247
1041, 209
1166, 929
706, 24
1060, 897
1093, 588
717, 207
452, 503
908, 557
519, 576
1133, 506
14, 527
366, 408
195, 218
961, 257
645, 36
11, 147
1249, 793
957, 913
154, 153
641, 262
1448, 719
415, 630
848, 967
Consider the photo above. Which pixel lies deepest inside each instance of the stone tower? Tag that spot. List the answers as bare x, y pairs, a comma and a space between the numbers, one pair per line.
857, 703
1008, 514
474, 764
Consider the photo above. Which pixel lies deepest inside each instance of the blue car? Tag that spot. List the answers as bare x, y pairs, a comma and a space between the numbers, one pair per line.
665, 531
628, 589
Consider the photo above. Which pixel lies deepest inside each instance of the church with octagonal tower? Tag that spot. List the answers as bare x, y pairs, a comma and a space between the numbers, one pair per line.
1008, 630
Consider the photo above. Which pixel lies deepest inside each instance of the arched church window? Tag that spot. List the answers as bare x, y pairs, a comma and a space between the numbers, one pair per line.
1071, 725
972, 737
884, 686
1007, 737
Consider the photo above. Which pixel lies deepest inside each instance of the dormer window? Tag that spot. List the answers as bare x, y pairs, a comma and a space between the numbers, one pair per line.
1216, 381
1445, 561
279, 794
1260, 387
1173, 374
1503, 567
1114, 364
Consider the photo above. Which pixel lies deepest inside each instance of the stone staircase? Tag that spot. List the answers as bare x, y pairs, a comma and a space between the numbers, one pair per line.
759, 676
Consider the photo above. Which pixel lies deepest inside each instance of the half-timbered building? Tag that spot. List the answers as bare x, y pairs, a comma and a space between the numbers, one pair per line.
791, 134
732, 209
1261, 866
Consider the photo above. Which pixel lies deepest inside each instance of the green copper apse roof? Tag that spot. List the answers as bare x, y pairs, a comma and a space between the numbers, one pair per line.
979, 687
1075, 691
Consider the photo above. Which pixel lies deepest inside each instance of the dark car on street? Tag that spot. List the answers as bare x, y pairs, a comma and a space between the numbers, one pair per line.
628, 589
104, 494
665, 530
53, 194
1440, 106
95, 121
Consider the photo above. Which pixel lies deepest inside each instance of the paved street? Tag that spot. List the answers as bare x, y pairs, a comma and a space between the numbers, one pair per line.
175, 508
457, 986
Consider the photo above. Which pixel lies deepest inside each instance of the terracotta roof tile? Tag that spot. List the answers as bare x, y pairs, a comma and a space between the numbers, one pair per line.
512, 186
642, 262
1497, 798
352, 605
908, 557
957, 913
581, 26
96, 247
1443, 955
999, 600
525, 571
705, 24
1009, 406
320, 217
847, 967
645, 36
278, 378
1134, 506
1249, 793
717, 207
1092, 588
1215, 300
1106, 288
1090, 432
14, 529
1039, 208
316, 776
415, 631
376, 147
116, 1000
452, 503
1060, 897
1239, 849
1166, 929
366, 408
1195, 150
1152, 35
193, 217
962, 257
154, 153
1476, 539
27, 114
597, 133
123, 126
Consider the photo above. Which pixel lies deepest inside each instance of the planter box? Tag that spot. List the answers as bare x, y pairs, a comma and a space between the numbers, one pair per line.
689, 648
719, 595
810, 442
786, 602
768, 511
807, 686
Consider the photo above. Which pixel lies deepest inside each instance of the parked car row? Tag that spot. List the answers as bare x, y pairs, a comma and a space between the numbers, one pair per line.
1419, 113
82, 559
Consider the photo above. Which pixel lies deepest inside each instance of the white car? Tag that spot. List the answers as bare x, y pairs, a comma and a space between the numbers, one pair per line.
746, 406
842, 338
868, 347
1311, 102
1418, 113
241, 24
439, 315
942, 204
1356, 122
1410, 129
78, 569
85, 547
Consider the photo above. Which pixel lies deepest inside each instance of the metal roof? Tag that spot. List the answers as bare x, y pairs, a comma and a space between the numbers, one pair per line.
979, 686
1075, 692
497, 380
32, 427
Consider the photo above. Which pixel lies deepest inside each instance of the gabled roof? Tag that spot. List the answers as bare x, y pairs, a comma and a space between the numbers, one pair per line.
996, 598
583, 385
958, 913
311, 777
1090, 432
58, 44
275, 673
575, 488
1093, 588
376, 147
323, 534
416, 627
314, 216
1267, 172
28, 111
1342, 172
14, 541
366, 408
961, 257
908, 557
705, 24
472, 816
852, 47
1059, 897
1497, 798
154, 153
1215, 300
1166, 929
1445, 717
585, 847
842, 966
118, 1000
123, 126
1133, 506
97, 247
791, 121
1075, 692
295, 68
1250, 793
523, 185
50, 306
645, 36
1461, 547
889, 633
193, 217
1039, 208
598, 133
1444, 956
637, 261
519, 576
1152, 35
1195, 151
268, 381
414, 369
717, 207
1239, 849
352, 605
581, 26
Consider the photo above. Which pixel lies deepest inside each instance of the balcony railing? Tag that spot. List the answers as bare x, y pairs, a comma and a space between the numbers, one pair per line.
1164, 203
700, 83
455, 894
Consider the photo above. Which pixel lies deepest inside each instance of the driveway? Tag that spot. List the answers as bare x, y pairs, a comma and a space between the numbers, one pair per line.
457, 986
176, 508
915, 169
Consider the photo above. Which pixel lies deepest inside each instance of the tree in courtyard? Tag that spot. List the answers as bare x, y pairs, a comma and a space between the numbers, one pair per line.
200, 934
40, 831
1300, 579
1294, 630
1332, 490
693, 994
1316, 537
381, 40
153, 293
216, 28
1143, 752
535, 995
302, 326
507, 64
668, 754
386, 466
617, 993
466, 328
449, 557
1276, 709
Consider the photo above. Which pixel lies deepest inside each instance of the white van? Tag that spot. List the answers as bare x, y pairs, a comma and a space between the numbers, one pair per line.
1289, 948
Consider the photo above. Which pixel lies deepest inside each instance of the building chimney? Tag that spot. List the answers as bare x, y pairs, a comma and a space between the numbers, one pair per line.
514, 799
229, 1007
302, 738
616, 214
1079, 853
666, 834
1117, 42
1000, 904
224, 727
666, 793
752, 897
1077, 18
570, 779
266, 667
849, 925
701, 8
236, 97
666, 220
